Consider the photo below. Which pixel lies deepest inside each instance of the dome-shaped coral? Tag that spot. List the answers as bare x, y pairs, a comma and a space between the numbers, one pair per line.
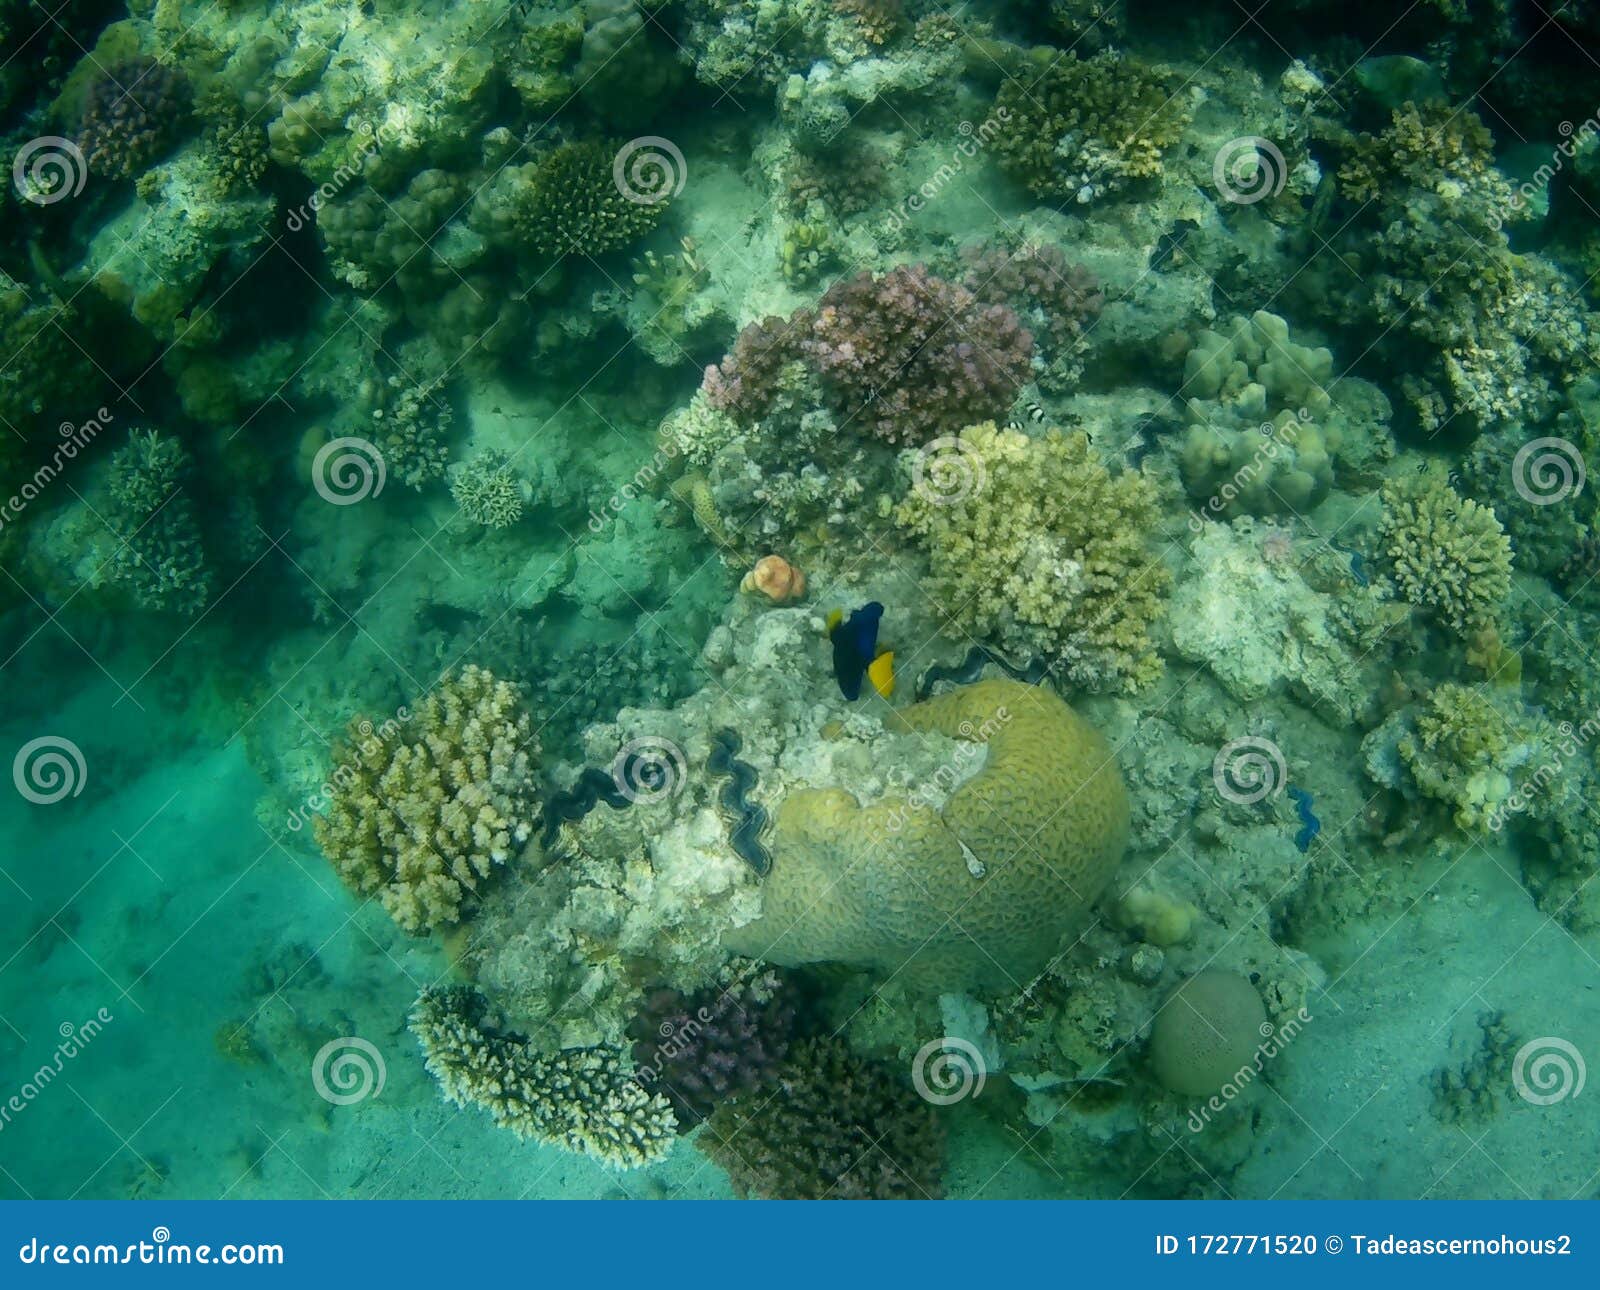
975, 894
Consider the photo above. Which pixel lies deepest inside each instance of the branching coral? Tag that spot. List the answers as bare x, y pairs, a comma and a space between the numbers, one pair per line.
585, 1100
424, 806
830, 1127
1081, 128
702, 1049
158, 558
909, 356
1047, 554
1056, 301
570, 202
1434, 147
488, 490
132, 114
409, 427
1445, 552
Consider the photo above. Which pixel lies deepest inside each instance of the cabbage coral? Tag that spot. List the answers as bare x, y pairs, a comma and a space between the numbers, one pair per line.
425, 806
1043, 551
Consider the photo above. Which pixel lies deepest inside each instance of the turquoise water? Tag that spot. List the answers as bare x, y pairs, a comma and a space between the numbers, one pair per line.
452, 456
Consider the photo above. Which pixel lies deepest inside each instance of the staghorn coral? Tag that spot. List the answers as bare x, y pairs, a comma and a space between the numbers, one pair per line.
586, 1100
1445, 552
831, 1126
424, 806
1046, 554
1078, 129
488, 490
133, 112
158, 558
907, 356
701, 1049
975, 894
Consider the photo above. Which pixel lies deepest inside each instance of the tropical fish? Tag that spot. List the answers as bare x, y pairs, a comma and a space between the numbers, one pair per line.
855, 646
881, 673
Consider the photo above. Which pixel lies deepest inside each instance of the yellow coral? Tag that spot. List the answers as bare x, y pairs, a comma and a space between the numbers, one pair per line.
424, 806
1445, 552
975, 894
1047, 553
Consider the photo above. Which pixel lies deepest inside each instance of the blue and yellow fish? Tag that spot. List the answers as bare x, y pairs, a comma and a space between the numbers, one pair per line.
855, 652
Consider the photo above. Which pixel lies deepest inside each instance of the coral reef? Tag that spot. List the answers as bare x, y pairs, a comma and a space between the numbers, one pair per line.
570, 203
979, 890
488, 490
1080, 129
1056, 301
158, 558
700, 1050
586, 1101
132, 114
1043, 551
830, 1126
425, 805
1445, 553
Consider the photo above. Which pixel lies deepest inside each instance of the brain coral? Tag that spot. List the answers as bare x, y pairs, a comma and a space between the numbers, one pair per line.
422, 808
1205, 1032
975, 894
1041, 549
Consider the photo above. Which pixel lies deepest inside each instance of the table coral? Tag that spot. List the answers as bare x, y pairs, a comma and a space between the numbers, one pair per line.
424, 806
1078, 129
975, 894
831, 1126
1048, 554
585, 1100
1445, 552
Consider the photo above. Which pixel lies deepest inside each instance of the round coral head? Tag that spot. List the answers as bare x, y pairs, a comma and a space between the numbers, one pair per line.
776, 579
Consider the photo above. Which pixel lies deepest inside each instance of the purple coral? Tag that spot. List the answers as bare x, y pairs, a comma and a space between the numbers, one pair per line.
132, 114
912, 356
701, 1049
1058, 301
744, 383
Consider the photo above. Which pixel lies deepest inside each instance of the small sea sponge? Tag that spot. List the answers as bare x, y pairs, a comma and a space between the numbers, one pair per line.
1445, 552
1044, 552
1206, 1033
830, 1126
1081, 128
975, 894
423, 807
776, 579
585, 1100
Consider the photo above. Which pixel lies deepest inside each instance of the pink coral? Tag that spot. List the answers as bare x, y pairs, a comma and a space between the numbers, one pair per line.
776, 579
